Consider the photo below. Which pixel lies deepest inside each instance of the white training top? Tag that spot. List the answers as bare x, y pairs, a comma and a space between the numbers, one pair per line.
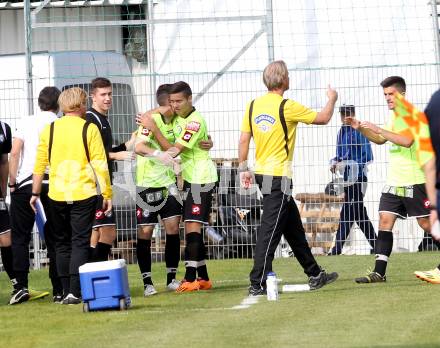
28, 130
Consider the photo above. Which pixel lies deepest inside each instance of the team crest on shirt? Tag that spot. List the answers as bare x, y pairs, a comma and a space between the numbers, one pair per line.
145, 131
178, 129
193, 126
264, 122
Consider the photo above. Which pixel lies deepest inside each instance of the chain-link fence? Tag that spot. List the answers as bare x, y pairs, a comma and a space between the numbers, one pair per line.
220, 48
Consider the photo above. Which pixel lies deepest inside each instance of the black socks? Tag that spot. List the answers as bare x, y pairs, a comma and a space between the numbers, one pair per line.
143, 252
172, 255
384, 246
6, 253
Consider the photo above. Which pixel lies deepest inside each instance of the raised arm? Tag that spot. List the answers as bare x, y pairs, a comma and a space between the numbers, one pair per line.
144, 150
383, 135
325, 115
147, 121
367, 132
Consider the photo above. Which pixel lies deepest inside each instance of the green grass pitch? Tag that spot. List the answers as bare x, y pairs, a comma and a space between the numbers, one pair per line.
404, 312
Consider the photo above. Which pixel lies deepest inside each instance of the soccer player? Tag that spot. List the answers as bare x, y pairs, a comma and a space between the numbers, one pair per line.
157, 196
21, 165
272, 121
104, 226
404, 194
74, 150
353, 151
200, 176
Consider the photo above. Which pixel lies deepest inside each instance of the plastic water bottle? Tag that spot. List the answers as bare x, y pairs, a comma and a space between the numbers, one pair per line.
272, 286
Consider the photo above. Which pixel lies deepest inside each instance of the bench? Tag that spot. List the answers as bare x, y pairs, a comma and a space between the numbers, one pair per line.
320, 214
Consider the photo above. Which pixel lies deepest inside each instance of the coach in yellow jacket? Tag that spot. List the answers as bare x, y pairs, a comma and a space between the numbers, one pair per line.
78, 171
272, 121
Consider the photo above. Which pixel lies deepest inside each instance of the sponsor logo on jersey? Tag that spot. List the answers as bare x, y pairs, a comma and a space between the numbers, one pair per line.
196, 210
193, 126
99, 215
426, 203
138, 213
146, 213
145, 131
264, 122
187, 136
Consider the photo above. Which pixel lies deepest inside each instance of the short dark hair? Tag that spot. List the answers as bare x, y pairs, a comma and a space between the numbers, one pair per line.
99, 82
181, 87
395, 81
347, 110
48, 99
162, 93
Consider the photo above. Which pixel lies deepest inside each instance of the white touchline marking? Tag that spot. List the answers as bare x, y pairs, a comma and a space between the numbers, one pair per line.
247, 302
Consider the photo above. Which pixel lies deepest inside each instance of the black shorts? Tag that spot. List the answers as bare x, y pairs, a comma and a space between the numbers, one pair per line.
198, 201
102, 219
398, 201
5, 223
152, 202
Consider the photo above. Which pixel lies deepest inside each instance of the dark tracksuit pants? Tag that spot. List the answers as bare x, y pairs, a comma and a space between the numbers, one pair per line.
73, 228
353, 210
22, 222
280, 217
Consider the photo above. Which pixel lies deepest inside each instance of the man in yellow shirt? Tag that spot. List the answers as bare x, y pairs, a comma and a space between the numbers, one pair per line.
78, 171
272, 121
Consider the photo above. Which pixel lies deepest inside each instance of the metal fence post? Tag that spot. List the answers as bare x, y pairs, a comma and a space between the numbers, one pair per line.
151, 56
435, 27
30, 102
28, 53
269, 30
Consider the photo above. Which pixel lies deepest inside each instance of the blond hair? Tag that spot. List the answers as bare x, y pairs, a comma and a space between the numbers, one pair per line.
275, 74
72, 99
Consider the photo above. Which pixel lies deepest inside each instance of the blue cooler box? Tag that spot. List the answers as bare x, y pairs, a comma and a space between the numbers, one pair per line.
104, 285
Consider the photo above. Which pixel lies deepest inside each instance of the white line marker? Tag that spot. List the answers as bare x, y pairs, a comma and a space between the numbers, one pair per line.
295, 287
247, 302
